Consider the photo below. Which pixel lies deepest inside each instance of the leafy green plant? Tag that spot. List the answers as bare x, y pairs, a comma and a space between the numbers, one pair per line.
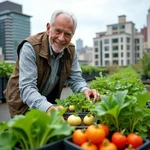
124, 79
78, 100
145, 62
33, 130
123, 112
90, 69
6, 69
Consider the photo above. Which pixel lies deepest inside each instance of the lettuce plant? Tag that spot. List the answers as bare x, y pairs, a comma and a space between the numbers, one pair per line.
33, 130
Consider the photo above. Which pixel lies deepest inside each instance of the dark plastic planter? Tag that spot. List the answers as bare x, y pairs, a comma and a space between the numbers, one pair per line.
3, 84
71, 146
58, 145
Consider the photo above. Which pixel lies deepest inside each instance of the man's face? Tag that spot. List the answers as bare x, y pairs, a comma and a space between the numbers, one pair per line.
60, 33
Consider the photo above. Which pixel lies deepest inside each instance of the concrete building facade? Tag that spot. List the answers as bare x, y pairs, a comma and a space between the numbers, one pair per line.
14, 27
121, 44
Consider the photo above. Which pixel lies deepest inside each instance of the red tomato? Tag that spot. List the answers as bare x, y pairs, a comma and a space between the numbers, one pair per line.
134, 140
119, 140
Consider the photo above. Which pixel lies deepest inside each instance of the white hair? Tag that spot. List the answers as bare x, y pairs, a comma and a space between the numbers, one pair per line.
58, 12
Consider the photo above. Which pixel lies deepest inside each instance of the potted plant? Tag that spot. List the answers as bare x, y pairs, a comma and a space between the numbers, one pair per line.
5, 72
36, 130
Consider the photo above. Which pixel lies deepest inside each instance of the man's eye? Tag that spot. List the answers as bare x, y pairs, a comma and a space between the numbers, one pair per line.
68, 35
57, 31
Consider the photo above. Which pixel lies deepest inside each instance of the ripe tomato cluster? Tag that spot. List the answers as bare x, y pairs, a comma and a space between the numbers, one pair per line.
97, 137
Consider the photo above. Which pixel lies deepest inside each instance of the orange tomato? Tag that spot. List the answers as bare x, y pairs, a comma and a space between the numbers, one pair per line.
106, 129
89, 146
79, 137
106, 140
95, 134
108, 146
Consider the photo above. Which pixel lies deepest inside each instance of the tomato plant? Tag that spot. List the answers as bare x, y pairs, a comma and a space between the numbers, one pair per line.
74, 120
79, 137
95, 134
89, 146
106, 129
119, 140
134, 140
88, 119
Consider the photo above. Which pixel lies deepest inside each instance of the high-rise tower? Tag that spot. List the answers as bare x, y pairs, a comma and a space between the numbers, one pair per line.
14, 27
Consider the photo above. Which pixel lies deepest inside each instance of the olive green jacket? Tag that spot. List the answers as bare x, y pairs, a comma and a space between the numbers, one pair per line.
40, 45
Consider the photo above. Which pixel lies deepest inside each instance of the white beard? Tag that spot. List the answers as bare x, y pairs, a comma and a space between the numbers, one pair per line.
56, 50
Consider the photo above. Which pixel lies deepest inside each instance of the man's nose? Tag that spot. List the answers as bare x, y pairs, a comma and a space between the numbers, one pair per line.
61, 37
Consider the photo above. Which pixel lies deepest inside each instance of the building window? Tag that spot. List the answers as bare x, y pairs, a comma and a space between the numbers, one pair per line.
137, 55
137, 41
115, 47
115, 32
106, 62
106, 55
137, 48
115, 40
128, 55
121, 47
96, 63
106, 41
96, 56
128, 47
115, 55
121, 62
128, 40
95, 43
128, 62
122, 39
115, 27
96, 49
115, 62
106, 48
121, 54
122, 26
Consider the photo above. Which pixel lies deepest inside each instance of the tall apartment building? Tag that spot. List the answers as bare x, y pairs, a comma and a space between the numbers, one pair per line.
148, 30
79, 44
14, 27
121, 44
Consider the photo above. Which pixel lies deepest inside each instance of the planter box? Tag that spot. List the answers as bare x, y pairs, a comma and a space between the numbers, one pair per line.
71, 146
147, 84
58, 145
81, 115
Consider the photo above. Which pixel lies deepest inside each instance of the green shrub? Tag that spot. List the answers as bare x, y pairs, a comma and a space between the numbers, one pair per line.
6, 69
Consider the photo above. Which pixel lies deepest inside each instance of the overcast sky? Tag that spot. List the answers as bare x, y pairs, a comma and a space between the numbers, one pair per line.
92, 15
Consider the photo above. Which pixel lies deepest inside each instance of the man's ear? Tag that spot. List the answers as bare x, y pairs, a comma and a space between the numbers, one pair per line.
48, 28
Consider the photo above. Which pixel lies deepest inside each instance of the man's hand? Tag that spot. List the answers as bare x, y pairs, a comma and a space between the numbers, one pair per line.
53, 107
92, 93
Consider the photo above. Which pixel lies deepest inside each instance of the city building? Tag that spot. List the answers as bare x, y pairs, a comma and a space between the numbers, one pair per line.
1, 55
85, 55
79, 44
121, 44
14, 27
